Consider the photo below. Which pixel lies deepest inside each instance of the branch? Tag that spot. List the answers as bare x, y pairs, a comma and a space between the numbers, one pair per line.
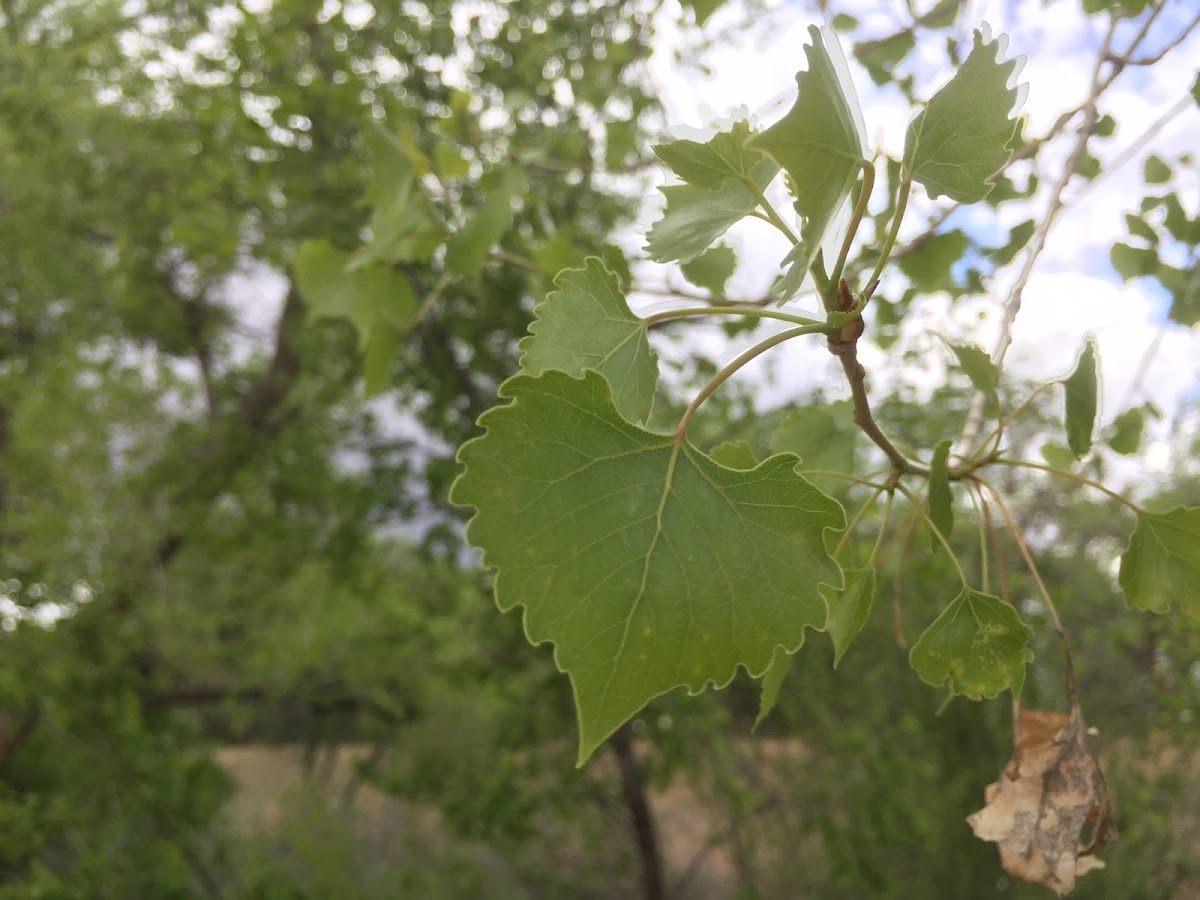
633, 787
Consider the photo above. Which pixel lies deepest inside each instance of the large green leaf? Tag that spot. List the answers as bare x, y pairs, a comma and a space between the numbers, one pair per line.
370, 297
847, 610
586, 324
978, 644
725, 155
647, 564
819, 143
1083, 390
964, 134
1161, 565
697, 216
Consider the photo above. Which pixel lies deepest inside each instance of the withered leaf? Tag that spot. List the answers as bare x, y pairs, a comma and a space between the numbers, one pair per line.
1049, 812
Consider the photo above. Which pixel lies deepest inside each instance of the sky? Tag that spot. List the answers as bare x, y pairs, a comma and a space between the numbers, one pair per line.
1073, 290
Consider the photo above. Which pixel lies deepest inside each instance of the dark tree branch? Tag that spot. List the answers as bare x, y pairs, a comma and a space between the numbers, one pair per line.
633, 787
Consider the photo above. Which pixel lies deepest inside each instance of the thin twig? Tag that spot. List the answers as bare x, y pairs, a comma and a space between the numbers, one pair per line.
1072, 691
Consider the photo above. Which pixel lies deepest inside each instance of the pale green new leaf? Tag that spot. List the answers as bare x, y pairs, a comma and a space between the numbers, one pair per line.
696, 216
369, 296
819, 143
647, 564
964, 134
847, 610
772, 683
941, 503
586, 324
707, 165
1083, 390
978, 645
1161, 565
403, 228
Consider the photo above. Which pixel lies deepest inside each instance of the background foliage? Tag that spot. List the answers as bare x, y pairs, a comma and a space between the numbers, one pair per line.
224, 476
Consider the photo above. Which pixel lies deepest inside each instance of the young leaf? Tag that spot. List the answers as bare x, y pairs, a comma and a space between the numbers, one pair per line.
964, 134
586, 324
819, 143
648, 565
1161, 565
978, 365
696, 216
368, 297
941, 503
847, 610
711, 269
734, 455
772, 682
978, 644
1126, 435
1083, 388
707, 165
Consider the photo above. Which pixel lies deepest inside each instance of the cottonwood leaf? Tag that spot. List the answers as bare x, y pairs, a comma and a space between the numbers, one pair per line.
370, 297
1057, 455
847, 610
1051, 793
819, 143
772, 683
1161, 565
697, 216
941, 503
725, 155
711, 269
1083, 390
973, 360
1126, 434
965, 133
978, 645
1018, 238
929, 266
647, 564
587, 324
1133, 262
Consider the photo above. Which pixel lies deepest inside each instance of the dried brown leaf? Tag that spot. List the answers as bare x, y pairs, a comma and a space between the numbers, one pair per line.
1049, 812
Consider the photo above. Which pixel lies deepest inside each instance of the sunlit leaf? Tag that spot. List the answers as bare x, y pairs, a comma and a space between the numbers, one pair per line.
819, 143
1161, 565
963, 134
978, 646
648, 565
979, 367
725, 155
